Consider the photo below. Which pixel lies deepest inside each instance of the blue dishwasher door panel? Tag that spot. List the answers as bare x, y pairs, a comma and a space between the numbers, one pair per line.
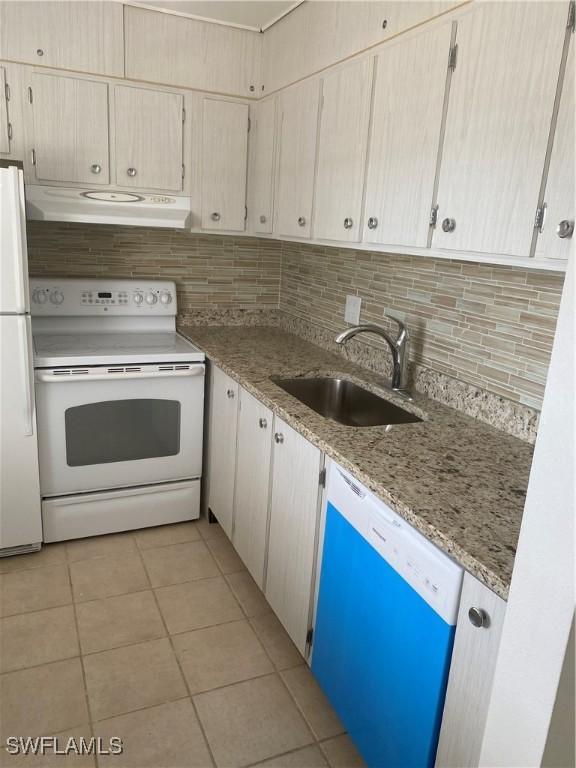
381, 654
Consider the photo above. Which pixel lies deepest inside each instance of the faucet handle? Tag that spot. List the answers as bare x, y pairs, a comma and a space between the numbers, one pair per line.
402, 329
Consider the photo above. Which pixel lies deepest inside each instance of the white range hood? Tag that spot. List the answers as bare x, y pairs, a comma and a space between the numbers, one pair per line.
106, 207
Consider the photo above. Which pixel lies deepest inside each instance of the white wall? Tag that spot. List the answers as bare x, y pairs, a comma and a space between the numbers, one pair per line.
540, 611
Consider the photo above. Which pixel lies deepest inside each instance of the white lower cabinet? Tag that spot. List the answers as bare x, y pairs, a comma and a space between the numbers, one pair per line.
254, 452
294, 519
478, 631
221, 455
264, 488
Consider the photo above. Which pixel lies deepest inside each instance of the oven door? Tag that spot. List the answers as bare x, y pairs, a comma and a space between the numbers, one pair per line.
114, 427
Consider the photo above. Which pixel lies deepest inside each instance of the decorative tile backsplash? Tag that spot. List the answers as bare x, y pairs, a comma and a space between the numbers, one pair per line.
488, 326
491, 326
209, 270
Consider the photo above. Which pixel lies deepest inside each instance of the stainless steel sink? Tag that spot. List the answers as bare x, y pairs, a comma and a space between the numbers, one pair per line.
345, 402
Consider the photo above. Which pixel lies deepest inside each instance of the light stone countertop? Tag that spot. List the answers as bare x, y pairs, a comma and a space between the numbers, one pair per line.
458, 481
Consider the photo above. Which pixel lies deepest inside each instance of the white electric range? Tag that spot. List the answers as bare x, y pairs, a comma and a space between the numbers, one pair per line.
120, 406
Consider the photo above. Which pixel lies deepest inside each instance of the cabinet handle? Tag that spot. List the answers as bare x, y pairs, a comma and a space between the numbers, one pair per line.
372, 222
565, 228
215, 216
131, 172
262, 423
10, 131
448, 225
301, 221
348, 223
278, 437
230, 393
39, 52
262, 219
478, 618
95, 168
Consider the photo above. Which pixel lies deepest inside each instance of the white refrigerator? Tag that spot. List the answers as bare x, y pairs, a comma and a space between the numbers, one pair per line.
20, 514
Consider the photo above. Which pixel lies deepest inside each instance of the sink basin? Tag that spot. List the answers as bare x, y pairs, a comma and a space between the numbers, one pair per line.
345, 402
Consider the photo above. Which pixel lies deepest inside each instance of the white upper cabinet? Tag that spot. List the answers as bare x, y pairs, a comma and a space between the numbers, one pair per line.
345, 115
70, 129
318, 34
224, 162
501, 101
556, 240
84, 36
163, 48
407, 112
148, 138
262, 145
298, 127
5, 128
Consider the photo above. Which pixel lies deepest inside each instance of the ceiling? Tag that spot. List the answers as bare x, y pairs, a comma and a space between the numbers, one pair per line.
252, 14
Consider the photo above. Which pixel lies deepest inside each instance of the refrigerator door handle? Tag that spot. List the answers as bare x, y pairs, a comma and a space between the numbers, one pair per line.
27, 378
21, 245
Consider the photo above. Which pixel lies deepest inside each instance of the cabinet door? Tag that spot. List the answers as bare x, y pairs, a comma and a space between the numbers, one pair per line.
471, 674
85, 36
342, 152
4, 124
559, 195
222, 426
261, 178
298, 125
70, 126
252, 484
294, 512
165, 48
501, 99
410, 80
224, 163
148, 138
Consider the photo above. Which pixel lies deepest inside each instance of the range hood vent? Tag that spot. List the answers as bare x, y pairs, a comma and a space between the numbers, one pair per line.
98, 206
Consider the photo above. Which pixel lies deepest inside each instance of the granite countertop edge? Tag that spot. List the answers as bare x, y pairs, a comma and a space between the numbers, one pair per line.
434, 531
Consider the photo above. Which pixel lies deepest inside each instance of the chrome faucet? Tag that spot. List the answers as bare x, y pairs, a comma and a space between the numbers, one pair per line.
398, 348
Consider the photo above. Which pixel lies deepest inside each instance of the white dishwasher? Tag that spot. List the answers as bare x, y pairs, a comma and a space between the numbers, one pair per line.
385, 622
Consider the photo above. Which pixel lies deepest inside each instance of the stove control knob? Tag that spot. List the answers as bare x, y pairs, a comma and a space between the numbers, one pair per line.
166, 298
151, 298
56, 297
38, 296
138, 298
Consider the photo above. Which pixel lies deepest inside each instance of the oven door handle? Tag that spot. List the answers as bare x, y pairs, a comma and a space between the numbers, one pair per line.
50, 378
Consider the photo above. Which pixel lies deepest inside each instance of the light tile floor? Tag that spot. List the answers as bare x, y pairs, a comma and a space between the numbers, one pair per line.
162, 638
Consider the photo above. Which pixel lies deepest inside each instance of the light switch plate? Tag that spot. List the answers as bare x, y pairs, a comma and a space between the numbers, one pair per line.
352, 311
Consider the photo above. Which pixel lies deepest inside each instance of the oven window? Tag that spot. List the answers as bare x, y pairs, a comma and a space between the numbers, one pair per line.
122, 430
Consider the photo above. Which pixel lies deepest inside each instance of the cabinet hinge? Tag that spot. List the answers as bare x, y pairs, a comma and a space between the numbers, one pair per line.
183, 115
322, 478
183, 170
30, 95
309, 636
33, 156
9, 131
572, 17
434, 215
7, 91
540, 217
249, 125
245, 213
453, 57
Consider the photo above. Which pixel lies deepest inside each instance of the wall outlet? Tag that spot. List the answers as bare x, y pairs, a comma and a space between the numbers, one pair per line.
352, 311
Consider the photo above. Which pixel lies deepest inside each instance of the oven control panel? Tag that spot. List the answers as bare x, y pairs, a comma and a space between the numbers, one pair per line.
74, 297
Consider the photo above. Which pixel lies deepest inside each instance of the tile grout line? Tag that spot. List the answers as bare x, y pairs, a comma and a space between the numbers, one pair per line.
183, 676
84, 681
